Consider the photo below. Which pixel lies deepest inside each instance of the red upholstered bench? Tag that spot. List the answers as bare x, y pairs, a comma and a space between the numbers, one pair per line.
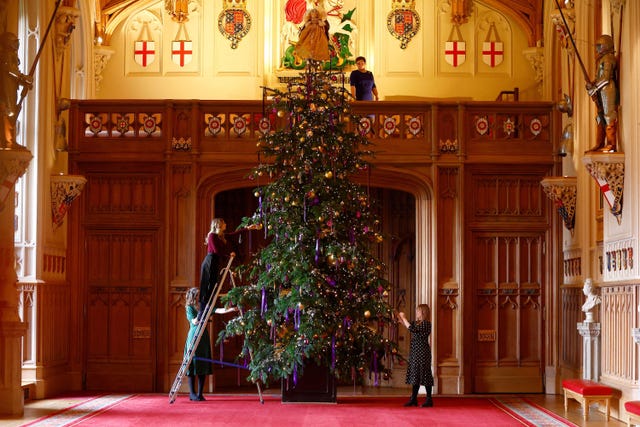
633, 412
586, 392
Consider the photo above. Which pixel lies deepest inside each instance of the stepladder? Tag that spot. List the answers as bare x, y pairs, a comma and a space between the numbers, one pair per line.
201, 329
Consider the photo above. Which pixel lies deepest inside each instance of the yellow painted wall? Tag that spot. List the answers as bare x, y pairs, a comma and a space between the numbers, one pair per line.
219, 71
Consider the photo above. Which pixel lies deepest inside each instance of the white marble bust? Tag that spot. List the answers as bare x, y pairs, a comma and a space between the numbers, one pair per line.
592, 298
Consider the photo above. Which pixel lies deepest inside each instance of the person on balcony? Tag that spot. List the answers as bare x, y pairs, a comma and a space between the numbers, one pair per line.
363, 85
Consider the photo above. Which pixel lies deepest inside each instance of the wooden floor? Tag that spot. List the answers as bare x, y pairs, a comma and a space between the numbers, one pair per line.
39, 408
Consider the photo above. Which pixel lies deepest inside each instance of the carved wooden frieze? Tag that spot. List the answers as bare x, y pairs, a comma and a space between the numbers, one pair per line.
563, 190
125, 193
608, 171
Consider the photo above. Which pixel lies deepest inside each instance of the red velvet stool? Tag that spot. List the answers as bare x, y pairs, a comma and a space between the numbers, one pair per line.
586, 392
633, 412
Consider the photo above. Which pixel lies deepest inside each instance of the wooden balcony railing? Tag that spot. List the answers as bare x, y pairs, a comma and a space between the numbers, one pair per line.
410, 131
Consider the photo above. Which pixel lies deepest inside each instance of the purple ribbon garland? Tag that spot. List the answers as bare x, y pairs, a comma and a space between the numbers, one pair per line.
263, 304
221, 350
317, 257
375, 369
333, 352
296, 318
295, 375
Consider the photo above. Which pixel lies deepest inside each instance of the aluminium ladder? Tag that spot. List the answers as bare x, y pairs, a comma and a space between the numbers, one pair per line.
200, 330
201, 327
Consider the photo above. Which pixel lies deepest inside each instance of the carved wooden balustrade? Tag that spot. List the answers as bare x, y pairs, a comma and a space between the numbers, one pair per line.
412, 131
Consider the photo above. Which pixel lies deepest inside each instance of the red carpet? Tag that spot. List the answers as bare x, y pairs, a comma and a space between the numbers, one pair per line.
246, 410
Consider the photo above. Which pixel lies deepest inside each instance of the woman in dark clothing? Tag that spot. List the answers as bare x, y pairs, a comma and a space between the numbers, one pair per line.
200, 366
211, 264
419, 367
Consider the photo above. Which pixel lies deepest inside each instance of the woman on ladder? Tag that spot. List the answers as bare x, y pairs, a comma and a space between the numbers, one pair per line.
210, 268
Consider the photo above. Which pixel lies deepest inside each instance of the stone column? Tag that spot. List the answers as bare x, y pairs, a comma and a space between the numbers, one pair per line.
13, 163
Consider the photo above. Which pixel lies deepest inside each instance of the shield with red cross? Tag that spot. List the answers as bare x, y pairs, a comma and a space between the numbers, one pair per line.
455, 52
181, 52
144, 52
492, 53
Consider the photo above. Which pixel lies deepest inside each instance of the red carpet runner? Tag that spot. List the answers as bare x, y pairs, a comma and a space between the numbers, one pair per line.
245, 410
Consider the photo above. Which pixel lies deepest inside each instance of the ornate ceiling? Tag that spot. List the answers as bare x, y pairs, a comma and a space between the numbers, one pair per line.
527, 13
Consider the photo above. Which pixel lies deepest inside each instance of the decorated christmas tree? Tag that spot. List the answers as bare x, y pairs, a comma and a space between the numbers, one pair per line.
316, 292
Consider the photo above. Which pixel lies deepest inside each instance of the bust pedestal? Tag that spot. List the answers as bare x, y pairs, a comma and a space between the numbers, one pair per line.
590, 332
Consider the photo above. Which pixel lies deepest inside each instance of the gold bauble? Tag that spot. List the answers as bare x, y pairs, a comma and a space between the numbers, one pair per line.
367, 314
257, 194
328, 175
280, 113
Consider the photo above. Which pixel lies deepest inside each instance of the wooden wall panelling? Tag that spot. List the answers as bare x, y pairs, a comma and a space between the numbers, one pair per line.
124, 272
121, 313
447, 305
618, 312
508, 222
571, 314
181, 227
126, 169
508, 312
181, 243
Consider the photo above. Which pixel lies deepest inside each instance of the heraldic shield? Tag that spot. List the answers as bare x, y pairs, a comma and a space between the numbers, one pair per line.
144, 52
455, 48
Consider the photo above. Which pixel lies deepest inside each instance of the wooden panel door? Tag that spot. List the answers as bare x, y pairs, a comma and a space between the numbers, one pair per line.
507, 305
120, 313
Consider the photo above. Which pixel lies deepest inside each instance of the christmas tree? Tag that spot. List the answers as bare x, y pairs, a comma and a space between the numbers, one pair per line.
316, 291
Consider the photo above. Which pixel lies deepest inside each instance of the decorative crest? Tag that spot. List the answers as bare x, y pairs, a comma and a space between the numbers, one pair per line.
234, 22
403, 4
178, 9
403, 22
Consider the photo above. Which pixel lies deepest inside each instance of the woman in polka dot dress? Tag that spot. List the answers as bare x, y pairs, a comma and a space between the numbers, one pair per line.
419, 368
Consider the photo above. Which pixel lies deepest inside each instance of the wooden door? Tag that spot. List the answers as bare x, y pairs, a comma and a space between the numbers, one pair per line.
507, 306
121, 274
506, 277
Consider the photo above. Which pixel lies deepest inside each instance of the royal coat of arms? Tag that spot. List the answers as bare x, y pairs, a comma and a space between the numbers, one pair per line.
234, 22
403, 22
